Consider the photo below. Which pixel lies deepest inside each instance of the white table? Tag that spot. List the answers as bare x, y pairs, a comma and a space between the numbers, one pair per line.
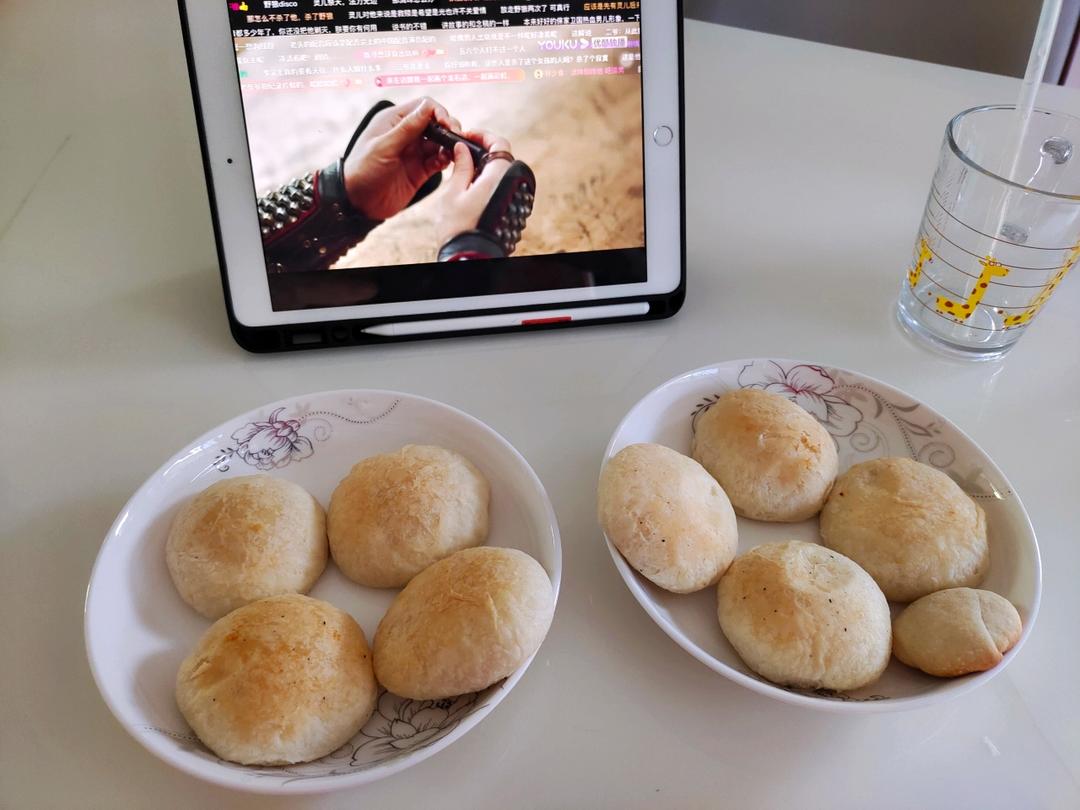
809, 168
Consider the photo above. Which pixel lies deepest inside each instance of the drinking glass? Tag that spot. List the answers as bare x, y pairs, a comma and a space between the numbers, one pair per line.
991, 251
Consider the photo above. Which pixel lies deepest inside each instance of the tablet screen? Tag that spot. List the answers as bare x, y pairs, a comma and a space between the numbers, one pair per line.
544, 192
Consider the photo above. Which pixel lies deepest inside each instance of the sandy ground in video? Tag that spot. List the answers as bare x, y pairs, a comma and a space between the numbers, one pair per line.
580, 134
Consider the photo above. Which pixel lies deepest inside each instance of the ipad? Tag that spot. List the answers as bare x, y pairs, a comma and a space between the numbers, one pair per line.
391, 169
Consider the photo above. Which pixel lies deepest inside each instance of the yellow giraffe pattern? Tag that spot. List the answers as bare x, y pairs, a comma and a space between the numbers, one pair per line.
1047, 291
961, 311
925, 255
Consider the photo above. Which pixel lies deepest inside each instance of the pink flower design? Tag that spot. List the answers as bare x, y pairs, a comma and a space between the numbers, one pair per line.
272, 444
810, 387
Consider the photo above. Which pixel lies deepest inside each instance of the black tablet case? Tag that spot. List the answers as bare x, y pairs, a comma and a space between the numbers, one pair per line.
349, 332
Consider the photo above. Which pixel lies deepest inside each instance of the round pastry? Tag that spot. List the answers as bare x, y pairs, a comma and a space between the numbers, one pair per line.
774, 460
464, 623
804, 616
910, 526
956, 631
282, 680
243, 539
668, 517
395, 514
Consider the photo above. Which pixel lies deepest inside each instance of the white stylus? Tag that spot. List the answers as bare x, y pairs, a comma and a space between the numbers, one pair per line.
515, 319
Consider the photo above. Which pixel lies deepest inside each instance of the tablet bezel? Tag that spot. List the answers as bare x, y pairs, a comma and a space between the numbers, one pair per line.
219, 113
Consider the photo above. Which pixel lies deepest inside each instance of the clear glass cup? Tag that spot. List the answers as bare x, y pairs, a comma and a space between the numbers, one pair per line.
991, 251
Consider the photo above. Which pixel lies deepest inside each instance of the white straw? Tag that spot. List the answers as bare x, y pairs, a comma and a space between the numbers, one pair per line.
1025, 103
1029, 89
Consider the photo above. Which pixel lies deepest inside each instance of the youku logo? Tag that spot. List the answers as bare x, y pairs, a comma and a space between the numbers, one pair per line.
584, 44
579, 44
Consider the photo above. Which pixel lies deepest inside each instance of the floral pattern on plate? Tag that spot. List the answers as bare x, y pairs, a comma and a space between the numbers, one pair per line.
864, 423
398, 726
277, 441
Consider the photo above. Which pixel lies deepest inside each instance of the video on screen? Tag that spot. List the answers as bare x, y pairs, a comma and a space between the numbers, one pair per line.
415, 134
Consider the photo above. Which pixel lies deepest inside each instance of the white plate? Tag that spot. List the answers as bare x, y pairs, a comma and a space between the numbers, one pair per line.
868, 419
138, 630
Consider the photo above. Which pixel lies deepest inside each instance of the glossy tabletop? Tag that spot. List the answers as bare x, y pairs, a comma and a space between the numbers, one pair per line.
808, 170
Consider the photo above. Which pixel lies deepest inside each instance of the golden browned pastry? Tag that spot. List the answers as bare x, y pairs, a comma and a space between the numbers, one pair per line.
243, 539
956, 631
804, 616
464, 623
909, 525
668, 517
773, 459
282, 680
395, 514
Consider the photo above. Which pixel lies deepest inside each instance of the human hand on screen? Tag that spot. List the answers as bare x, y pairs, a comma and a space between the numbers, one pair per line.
465, 197
391, 160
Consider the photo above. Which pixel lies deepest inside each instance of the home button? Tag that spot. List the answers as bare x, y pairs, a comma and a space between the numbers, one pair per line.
663, 135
